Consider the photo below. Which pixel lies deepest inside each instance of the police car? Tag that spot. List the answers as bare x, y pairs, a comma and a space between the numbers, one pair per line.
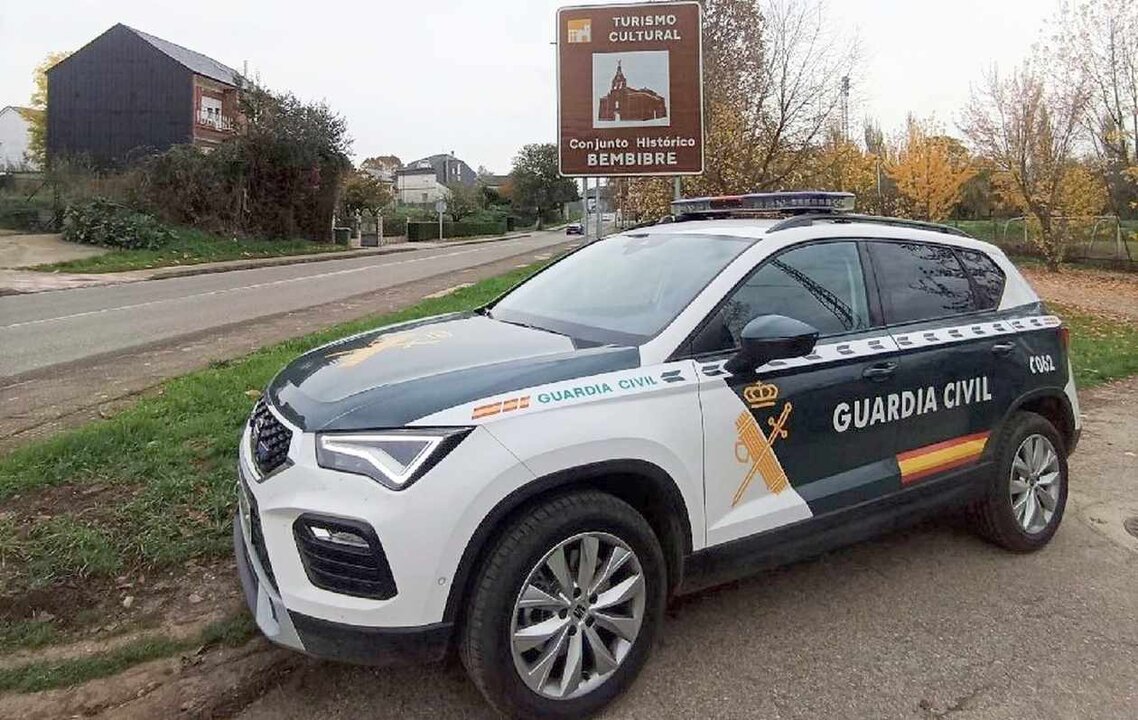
764, 377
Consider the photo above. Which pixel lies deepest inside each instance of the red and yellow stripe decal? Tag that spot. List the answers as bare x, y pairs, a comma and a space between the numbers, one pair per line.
517, 403
941, 456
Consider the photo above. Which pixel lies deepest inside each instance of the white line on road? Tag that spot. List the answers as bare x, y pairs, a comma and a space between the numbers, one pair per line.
247, 287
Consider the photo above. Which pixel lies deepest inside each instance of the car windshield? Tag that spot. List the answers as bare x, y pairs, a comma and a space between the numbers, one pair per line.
621, 290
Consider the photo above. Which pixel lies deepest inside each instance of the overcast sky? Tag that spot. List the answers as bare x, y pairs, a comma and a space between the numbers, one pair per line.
477, 77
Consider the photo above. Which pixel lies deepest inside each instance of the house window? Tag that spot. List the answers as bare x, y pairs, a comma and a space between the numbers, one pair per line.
210, 113
425, 197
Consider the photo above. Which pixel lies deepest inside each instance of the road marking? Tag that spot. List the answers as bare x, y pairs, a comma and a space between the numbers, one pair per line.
254, 286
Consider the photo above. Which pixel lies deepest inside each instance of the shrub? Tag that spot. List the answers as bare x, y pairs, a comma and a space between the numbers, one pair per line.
35, 215
430, 230
102, 222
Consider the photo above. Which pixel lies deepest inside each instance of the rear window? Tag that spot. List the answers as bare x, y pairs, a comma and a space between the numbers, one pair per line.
986, 276
920, 282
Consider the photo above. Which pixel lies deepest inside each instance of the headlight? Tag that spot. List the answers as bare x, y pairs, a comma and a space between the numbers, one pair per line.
394, 458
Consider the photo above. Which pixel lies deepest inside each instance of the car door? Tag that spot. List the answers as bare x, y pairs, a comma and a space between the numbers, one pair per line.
952, 345
774, 451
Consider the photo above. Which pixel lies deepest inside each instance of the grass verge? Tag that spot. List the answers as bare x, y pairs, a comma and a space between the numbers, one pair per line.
38, 676
191, 247
167, 462
1102, 349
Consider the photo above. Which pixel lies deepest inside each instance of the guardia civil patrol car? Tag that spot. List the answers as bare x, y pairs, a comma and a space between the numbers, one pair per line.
763, 377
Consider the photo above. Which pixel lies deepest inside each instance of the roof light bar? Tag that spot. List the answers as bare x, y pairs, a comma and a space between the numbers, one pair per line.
776, 202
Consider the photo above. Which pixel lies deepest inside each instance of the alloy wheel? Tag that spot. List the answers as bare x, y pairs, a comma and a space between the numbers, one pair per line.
1035, 483
578, 615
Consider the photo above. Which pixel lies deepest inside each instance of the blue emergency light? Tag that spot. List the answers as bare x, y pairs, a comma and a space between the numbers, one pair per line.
775, 202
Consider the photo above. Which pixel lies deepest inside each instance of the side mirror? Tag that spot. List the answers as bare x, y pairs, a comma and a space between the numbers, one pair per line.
771, 337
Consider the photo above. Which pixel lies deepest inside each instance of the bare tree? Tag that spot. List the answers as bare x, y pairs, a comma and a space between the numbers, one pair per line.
1099, 44
1029, 128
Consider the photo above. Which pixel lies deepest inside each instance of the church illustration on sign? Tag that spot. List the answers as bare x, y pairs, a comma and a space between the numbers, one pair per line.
625, 104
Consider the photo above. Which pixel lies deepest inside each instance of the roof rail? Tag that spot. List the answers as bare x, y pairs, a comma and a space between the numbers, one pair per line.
808, 220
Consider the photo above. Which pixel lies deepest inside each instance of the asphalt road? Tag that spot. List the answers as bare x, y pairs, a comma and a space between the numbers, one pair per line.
44, 329
926, 623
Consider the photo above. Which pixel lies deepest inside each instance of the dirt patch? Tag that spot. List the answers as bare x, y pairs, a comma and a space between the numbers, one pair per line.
95, 615
1102, 292
207, 684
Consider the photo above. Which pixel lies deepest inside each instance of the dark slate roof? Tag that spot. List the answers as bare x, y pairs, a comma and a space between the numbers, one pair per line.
194, 61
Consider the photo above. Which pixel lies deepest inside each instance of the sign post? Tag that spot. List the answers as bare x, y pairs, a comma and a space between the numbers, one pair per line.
630, 90
440, 208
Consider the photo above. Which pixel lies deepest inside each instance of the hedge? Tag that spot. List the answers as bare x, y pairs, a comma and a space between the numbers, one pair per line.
430, 230
107, 224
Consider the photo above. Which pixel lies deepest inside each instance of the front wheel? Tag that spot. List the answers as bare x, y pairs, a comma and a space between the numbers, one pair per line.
566, 609
1025, 498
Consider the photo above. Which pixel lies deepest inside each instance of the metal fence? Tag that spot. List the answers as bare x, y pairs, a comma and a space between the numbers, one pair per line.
1102, 240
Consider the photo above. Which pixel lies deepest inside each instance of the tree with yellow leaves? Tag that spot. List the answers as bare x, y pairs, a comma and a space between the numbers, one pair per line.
930, 171
37, 121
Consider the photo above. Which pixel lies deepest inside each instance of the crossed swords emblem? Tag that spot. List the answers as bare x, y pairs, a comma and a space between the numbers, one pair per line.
757, 448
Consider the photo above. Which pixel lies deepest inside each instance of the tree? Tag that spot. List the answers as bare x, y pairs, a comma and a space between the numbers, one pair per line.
363, 193
839, 164
382, 163
536, 183
930, 172
1027, 128
1099, 44
37, 127
777, 67
464, 200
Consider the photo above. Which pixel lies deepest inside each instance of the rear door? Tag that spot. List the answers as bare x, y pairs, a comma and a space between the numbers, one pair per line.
772, 454
957, 359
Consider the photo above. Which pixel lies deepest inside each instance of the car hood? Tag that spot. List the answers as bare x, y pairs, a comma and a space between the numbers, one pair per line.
389, 377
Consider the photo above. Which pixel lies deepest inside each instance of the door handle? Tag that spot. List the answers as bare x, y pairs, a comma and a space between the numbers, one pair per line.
1003, 348
880, 371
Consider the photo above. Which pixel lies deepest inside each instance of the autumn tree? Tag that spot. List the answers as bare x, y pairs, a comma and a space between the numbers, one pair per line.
536, 184
840, 164
37, 121
930, 171
1028, 129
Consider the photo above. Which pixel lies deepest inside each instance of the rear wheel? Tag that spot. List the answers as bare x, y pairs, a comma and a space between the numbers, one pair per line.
567, 607
1027, 495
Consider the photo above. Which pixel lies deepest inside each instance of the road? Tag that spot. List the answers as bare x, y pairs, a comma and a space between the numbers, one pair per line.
926, 623
44, 329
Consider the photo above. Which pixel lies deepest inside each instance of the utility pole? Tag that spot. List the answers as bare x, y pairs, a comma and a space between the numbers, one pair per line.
846, 108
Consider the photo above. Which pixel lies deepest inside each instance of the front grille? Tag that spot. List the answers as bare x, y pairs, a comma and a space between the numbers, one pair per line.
340, 568
257, 539
268, 439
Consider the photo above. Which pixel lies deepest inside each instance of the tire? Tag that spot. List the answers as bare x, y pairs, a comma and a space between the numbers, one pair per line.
999, 514
564, 525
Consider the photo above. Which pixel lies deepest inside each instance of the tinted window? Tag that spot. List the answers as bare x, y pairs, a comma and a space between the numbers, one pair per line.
920, 282
987, 277
623, 289
821, 285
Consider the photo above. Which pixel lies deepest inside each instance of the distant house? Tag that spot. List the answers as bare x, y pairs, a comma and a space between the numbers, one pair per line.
15, 129
448, 169
494, 182
127, 92
418, 186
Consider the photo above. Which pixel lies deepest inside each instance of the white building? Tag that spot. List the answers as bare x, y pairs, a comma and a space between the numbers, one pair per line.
14, 135
418, 186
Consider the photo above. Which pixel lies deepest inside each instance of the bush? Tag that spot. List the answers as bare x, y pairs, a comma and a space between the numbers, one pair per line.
102, 222
430, 230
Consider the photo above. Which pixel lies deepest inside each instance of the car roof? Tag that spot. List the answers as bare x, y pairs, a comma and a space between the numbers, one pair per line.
837, 226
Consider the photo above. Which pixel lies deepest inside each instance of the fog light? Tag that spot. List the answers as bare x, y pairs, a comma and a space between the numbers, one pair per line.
338, 537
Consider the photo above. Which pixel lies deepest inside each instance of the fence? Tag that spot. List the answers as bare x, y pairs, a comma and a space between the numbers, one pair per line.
1102, 240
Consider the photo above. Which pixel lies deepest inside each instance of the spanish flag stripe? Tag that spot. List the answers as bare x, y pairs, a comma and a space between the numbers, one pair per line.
941, 445
492, 409
931, 459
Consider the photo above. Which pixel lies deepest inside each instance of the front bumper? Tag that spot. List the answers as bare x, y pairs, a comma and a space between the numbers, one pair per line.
327, 639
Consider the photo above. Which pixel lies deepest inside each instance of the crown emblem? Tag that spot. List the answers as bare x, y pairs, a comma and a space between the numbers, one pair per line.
760, 395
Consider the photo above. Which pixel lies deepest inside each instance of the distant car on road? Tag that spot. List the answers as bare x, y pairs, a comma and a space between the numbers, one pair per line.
574, 229
762, 378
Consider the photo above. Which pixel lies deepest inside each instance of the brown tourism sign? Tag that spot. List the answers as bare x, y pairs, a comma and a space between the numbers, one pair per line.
630, 89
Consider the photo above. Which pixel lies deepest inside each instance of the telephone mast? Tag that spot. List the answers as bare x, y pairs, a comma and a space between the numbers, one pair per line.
845, 107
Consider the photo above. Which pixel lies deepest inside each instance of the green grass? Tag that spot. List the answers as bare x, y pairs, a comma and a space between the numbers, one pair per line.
1102, 349
168, 461
1103, 249
38, 676
191, 247
29, 634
